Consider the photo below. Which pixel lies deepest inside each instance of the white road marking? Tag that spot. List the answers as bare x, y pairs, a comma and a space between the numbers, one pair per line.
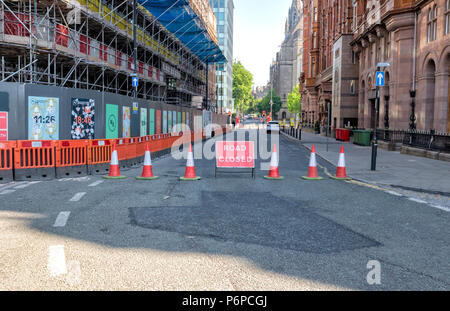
77, 197
65, 179
12, 184
441, 207
61, 220
95, 184
7, 191
26, 185
417, 200
56, 260
395, 193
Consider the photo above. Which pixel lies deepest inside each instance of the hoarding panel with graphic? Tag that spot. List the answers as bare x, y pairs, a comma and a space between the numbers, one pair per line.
43, 118
169, 121
174, 122
83, 118
112, 121
158, 122
180, 121
152, 122
126, 122
143, 121
164, 122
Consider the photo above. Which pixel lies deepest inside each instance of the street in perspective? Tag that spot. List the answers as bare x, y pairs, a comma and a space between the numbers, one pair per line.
195, 145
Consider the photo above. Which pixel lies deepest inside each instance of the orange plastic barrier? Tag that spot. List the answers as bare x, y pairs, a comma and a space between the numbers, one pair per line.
6, 160
34, 159
34, 154
122, 146
99, 156
99, 151
71, 157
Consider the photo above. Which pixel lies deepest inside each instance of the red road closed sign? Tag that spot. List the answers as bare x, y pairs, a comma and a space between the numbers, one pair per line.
235, 154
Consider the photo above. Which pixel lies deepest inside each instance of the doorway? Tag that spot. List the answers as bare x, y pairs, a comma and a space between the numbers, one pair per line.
372, 103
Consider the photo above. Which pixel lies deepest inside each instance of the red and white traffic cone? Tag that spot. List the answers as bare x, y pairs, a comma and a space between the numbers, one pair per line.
273, 171
341, 173
190, 167
147, 171
114, 170
312, 171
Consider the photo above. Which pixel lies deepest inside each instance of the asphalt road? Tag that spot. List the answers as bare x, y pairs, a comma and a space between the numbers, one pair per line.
225, 233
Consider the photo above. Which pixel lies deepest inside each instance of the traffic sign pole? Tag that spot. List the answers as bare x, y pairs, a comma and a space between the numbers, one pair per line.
380, 82
379, 78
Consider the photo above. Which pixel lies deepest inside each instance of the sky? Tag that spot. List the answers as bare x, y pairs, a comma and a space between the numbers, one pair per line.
258, 33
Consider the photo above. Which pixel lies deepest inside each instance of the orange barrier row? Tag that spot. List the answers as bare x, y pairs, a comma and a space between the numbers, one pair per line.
25, 159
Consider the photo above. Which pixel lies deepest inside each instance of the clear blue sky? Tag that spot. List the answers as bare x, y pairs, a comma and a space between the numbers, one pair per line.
258, 32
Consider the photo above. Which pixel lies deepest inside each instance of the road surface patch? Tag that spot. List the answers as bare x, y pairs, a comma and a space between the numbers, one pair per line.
266, 220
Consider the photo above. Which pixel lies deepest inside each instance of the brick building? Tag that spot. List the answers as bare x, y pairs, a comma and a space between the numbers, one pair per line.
344, 40
330, 70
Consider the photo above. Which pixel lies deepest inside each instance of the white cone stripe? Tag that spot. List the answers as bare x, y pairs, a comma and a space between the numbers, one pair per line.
341, 162
114, 158
312, 161
190, 160
147, 159
274, 160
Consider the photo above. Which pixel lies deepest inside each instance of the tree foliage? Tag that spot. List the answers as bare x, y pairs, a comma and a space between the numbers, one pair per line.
294, 103
258, 106
242, 87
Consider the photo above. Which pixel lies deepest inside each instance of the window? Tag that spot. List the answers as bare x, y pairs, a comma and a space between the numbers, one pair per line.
432, 24
388, 45
314, 40
355, 16
352, 87
313, 66
353, 57
315, 15
447, 17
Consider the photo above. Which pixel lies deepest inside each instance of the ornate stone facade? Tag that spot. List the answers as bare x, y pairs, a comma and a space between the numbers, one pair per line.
413, 36
286, 68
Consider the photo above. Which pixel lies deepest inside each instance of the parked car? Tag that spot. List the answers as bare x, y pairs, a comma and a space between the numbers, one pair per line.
273, 126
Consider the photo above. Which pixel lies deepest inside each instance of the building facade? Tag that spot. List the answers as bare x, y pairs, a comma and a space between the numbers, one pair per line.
330, 74
287, 66
224, 10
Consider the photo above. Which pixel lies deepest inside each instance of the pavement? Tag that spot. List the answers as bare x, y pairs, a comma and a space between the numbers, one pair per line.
226, 233
393, 169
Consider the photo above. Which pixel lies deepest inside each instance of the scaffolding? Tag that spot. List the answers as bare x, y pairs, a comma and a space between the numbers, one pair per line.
88, 44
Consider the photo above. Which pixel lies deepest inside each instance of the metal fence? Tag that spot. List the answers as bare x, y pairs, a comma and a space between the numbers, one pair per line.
427, 140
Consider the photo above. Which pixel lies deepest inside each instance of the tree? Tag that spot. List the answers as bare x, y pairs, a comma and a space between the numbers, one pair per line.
242, 87
264, 104
294, 102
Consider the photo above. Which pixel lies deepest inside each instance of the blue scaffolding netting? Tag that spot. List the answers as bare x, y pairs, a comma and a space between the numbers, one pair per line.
179, 18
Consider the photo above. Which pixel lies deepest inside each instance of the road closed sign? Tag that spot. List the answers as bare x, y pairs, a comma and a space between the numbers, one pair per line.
235, 154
